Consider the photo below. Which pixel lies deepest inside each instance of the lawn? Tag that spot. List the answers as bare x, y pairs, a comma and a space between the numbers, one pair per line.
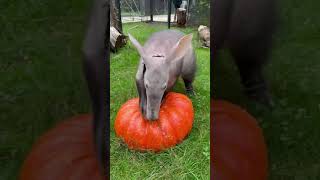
292, 128
188, 160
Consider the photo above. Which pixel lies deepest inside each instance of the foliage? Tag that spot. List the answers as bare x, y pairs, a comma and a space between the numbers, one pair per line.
200, 12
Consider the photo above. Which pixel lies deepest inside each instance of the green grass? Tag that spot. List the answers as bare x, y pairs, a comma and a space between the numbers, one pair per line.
188, 160
41, 79
292, 128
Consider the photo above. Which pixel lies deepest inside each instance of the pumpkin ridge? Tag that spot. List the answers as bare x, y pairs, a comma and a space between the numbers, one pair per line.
135, 118
129, 128
164, 134
173, 129
122, 120
177, 123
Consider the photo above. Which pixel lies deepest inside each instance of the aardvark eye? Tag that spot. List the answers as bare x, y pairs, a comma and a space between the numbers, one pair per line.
164, 86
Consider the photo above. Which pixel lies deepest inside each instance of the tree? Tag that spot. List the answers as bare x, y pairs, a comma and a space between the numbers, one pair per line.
117, 38
115, 14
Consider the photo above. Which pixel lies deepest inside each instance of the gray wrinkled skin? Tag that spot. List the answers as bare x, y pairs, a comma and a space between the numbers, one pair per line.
164, 57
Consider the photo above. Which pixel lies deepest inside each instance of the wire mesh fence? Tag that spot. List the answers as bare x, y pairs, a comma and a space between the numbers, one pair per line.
198, 11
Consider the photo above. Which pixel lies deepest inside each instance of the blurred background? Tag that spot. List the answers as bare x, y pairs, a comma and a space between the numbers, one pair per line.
41, 79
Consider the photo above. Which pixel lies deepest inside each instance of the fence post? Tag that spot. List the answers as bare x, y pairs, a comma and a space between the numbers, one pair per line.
151, 10
169, 13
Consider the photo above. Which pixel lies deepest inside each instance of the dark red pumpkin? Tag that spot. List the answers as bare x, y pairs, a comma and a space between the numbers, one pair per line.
65, 152
238, 150
174, 123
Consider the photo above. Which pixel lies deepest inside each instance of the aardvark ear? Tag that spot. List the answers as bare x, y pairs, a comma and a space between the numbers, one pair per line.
180, 48
137, 45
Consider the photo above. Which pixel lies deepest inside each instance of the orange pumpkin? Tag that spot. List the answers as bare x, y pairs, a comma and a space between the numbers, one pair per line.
65, 152
238, 150
174, 123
